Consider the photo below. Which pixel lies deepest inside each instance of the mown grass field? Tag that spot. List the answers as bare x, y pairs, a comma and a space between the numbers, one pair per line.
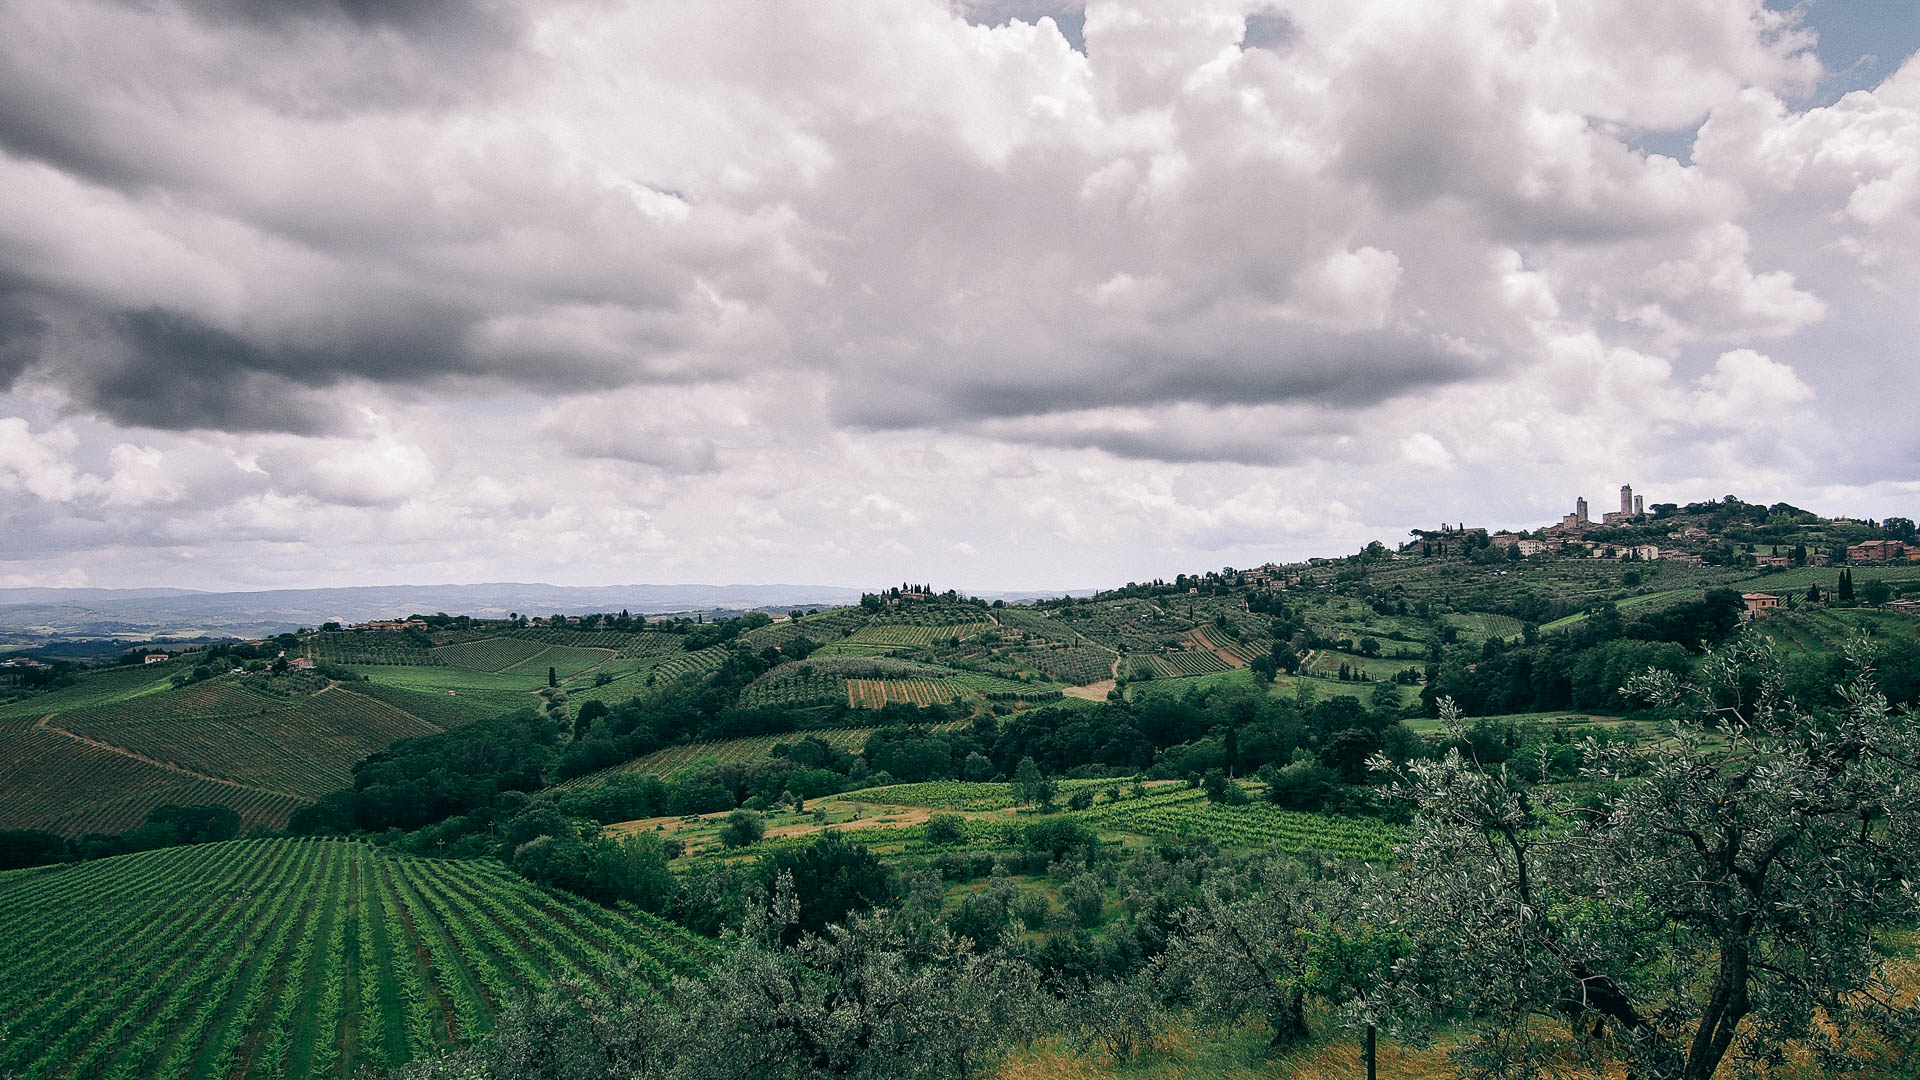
287, 958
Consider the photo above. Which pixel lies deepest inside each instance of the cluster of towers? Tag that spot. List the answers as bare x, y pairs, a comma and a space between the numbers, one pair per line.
1631, 506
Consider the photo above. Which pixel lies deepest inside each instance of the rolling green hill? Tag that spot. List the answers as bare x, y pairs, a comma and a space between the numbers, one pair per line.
99, 755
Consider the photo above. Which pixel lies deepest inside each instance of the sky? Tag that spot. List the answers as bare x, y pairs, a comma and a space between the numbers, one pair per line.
993, 294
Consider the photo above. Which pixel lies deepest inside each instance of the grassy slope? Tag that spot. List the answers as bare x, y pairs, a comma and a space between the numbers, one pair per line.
99, 755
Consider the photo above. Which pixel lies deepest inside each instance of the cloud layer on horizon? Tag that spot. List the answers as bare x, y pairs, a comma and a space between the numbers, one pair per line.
590, 292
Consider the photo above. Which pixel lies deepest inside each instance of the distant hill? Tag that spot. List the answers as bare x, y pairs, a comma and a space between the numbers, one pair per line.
41, 614
177, 612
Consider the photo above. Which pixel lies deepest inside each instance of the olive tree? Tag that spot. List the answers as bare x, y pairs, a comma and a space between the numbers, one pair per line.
861, 999
1703, 904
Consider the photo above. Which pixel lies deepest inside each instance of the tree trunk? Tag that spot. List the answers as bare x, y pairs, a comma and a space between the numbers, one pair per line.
1373, 1054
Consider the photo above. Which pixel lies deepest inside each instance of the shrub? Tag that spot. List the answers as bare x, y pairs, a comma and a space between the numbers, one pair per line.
743, 827
945, 829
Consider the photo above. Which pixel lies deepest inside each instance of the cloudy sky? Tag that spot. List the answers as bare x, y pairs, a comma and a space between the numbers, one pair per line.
997, 294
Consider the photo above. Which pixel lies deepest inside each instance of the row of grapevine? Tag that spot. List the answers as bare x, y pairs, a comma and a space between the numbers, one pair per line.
1075, 665
60, 784
682, 664
302, 746
1186, 812
960, 794
370, 647
795, 685
288, 958
1173, 665
874, 693
623, 642
489, 654
900, 635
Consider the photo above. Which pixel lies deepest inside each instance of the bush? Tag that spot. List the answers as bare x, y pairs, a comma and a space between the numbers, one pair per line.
831, 879
1057, 836
743, 827
945, 829
1085, 897
1303, 785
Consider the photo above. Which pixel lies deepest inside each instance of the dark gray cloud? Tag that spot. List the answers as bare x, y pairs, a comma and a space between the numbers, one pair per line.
23, 335
1269, 29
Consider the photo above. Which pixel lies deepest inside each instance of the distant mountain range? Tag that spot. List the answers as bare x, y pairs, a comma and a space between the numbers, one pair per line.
29, 616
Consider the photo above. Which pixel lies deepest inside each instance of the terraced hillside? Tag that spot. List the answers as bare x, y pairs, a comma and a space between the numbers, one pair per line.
285, 958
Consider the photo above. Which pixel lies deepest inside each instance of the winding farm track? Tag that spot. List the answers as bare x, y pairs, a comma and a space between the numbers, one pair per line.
45, 723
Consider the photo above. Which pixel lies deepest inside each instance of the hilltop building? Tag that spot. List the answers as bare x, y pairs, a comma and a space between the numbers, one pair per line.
1760, 604
1877, 551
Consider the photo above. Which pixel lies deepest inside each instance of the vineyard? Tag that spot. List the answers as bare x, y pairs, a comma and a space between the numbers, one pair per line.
899, 636
62, 785
564, 660
670, 761
283, 958
520, 657
368, 647
489, 654
1073, 665
94, 688
626, 644
1186, 812
823, 680
304, 747
1173, 665
682, 664
874, 693
995, 688
959, 794
1479, 626
100, 755
797, 686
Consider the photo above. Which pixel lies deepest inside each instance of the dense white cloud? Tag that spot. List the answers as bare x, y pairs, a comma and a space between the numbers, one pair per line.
607, 291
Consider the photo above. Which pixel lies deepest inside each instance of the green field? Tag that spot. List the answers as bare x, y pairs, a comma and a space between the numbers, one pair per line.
1827, 577
1326, 664
520, 657
901, 636
960, 794
875, 693
368, 647
99, 755
1827, 630
1184, 811
284, 958
306, 746
671, 761
103, 687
